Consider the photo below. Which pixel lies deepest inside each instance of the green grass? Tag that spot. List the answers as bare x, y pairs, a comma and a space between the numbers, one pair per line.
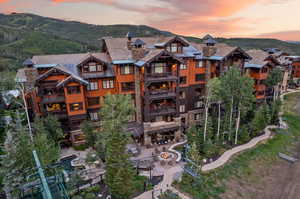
243, 165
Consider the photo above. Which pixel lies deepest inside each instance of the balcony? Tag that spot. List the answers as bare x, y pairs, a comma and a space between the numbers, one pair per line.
158, 77
59, 114
162, 94
160, 127
260, 87
259, 76
167, 110
55, 98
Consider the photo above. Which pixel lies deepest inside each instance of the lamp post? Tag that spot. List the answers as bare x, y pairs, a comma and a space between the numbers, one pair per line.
26, 110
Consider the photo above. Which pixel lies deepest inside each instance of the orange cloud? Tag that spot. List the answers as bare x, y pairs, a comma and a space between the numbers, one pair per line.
293, 35
4, 1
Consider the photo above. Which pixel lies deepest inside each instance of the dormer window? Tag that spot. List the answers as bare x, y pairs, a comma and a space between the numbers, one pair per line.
174, 48
92, 67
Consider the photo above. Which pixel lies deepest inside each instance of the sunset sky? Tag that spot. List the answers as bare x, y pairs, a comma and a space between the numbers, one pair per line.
227, 18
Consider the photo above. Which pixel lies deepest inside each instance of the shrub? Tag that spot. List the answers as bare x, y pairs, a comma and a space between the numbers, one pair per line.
90, 196
77, 197
81, 147
94, 189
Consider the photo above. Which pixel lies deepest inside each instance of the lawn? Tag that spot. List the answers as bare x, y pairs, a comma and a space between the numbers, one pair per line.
212, 184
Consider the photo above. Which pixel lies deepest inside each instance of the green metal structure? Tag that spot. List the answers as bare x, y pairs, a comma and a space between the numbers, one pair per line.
43, 187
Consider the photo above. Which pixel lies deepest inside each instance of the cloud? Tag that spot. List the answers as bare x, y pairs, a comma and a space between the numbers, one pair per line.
293, 35
4, 1
192, 17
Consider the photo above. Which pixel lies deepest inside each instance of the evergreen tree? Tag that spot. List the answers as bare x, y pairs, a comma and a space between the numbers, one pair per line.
90, 133
261, 119
19, 158
195, 157
194, 135
275, 108
50, 126
116, 113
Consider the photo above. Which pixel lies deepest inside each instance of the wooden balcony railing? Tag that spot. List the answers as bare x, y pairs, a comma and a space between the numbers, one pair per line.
160, 76
163, 111
259, 75
55, 98
260, 87
162, 93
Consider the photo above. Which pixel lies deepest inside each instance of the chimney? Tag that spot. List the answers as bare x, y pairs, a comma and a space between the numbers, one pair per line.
210, 48
138, 53
129, 40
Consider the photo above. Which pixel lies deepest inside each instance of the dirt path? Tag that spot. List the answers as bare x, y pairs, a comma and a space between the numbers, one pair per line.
281, 180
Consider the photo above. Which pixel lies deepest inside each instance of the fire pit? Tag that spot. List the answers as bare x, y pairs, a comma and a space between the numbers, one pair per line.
165, 156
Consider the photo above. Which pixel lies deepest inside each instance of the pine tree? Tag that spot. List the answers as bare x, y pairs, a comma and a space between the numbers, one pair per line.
116, 113
18, 158
50, 126
90, 133
195, 157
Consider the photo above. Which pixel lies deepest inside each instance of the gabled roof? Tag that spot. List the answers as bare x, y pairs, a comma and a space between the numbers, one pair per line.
210, 41
222, 51
139, 42
120, 54
66, 59
63, 70
28, 62
206, 37
153, 54
67, 80
259, 59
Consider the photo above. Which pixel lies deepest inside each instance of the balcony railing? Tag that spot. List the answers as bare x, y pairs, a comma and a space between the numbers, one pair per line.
160, 76
260, 87
162, 94
55, 98
259, 75
59, 114
163, 111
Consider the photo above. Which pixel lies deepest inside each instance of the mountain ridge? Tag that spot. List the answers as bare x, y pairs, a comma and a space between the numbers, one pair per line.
23, 35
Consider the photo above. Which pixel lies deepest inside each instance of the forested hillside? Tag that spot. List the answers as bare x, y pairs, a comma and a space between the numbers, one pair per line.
24, 35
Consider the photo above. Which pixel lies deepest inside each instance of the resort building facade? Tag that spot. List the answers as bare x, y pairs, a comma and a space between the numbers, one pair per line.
166, 77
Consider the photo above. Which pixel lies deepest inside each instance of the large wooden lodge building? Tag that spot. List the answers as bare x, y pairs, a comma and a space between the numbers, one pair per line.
166, 77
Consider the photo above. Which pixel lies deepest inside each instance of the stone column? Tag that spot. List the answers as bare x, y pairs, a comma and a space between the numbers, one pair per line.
138, 100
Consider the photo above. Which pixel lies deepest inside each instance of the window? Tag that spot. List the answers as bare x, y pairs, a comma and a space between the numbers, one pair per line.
126, 69
264, 70
127, 86
182, 66
92, 101
199, 77
182, 80
94, 116
182, 108
182, 95
199, 64
93, 67
108, 84
92, 86
73, 89
174, 47
159, 67
197, 116
76, 106
199, 104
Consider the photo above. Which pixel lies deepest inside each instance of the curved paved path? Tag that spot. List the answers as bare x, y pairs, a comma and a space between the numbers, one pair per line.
169, 174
